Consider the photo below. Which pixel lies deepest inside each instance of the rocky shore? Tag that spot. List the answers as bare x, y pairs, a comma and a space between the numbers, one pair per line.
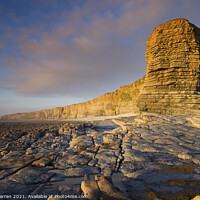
148, 156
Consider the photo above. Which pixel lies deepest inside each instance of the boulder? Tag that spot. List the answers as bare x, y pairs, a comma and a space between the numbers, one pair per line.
101, 188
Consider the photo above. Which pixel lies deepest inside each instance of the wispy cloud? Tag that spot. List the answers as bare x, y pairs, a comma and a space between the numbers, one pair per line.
87, 51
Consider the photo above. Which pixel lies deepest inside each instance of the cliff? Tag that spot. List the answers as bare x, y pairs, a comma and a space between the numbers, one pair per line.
172, 83
120, 101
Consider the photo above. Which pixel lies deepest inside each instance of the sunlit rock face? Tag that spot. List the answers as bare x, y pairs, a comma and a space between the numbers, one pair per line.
172, 83
120, 101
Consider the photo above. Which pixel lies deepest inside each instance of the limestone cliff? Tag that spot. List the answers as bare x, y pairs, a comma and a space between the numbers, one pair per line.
121, 101
172, 83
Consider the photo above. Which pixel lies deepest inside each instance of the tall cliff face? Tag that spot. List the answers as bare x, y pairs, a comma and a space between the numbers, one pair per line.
172, 83
121, 101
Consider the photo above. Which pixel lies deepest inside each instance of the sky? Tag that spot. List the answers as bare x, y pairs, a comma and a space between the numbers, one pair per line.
59, 52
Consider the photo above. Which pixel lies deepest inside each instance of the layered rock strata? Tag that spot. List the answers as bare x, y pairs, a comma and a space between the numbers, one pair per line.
120, 101
172, 83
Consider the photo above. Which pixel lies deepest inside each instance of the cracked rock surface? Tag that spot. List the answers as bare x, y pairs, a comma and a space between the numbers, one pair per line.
148, 156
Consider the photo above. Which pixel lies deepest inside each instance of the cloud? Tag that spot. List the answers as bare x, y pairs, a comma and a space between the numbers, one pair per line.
93, 48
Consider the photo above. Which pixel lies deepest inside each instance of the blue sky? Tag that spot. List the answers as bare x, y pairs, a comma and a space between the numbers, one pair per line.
60, 52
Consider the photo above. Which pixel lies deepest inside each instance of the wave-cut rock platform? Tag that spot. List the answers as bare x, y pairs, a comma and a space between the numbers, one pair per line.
147, 156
